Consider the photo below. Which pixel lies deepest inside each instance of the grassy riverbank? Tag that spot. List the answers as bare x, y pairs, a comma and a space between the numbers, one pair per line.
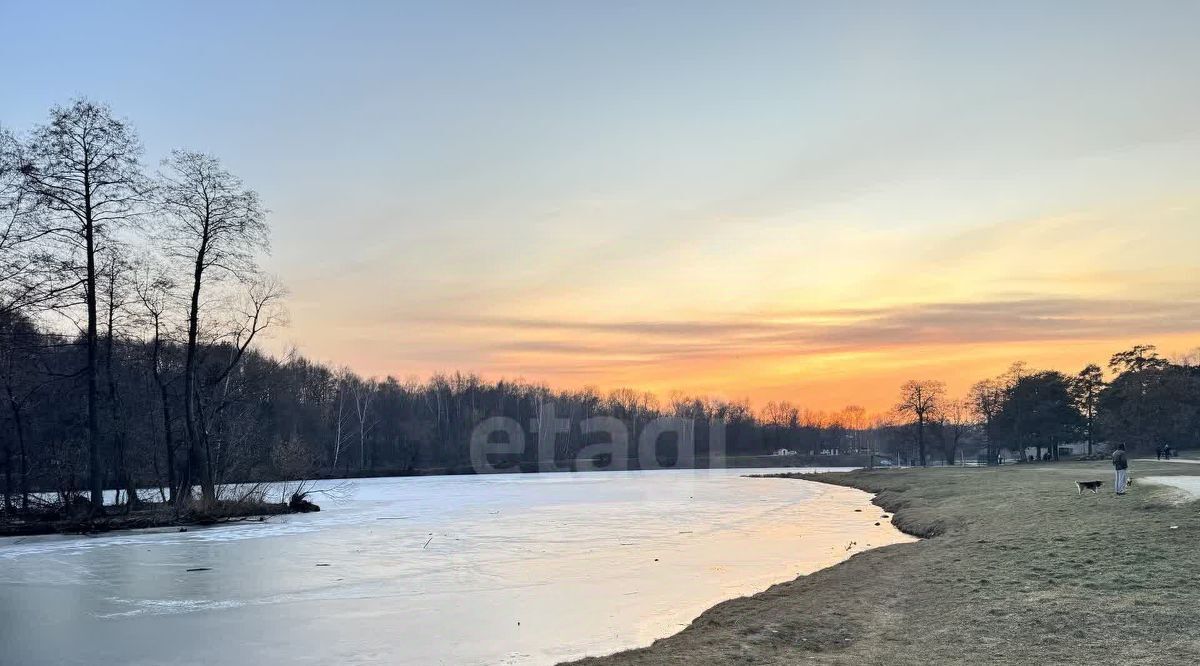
1017, 569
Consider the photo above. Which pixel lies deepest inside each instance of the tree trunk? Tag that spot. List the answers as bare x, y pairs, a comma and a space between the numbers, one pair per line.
23, 486
1091, 429
164, 396
921, 439
8, 484
197, 448
95, 480
124, 478
170, 444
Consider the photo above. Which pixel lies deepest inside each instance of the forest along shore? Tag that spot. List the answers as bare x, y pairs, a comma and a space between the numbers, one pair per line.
1016, 568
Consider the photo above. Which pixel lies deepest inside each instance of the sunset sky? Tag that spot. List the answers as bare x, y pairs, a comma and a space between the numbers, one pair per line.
793, 200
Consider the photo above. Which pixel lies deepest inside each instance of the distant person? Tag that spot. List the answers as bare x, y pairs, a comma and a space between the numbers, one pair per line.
1166, 451
1121, 465
1158, 451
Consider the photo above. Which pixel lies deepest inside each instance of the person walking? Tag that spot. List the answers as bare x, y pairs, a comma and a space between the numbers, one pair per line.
1121, 465
1158, 451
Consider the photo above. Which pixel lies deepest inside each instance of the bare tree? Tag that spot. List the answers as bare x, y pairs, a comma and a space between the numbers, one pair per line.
83, 171
986, 399
154, 289
20, 272
19, 344
954, 423
218, 227
246, 314
343, 382
116, 295
14, 233
364, 392
854, 418
921, 400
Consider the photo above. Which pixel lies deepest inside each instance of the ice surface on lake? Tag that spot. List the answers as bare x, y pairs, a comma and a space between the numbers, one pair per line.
503, 569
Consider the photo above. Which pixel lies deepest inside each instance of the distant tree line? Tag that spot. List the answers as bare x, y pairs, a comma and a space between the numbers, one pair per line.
1150, 402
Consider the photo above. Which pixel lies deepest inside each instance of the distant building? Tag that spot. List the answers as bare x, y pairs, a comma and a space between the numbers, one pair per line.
1070, 450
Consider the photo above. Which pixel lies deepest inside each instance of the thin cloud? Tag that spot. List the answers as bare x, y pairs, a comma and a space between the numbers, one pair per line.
838, 331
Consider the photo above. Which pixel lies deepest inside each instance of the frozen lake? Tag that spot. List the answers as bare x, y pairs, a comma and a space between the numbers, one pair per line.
500, 569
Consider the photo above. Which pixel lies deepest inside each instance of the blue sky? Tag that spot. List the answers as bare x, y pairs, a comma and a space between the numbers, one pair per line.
514, 187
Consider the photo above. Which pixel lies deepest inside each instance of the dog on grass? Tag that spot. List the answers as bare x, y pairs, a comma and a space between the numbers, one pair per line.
1093, 486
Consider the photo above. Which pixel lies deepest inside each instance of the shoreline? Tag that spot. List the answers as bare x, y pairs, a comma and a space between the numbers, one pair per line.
885, 517
1014, 567
838, 523
702, 462
883, 498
